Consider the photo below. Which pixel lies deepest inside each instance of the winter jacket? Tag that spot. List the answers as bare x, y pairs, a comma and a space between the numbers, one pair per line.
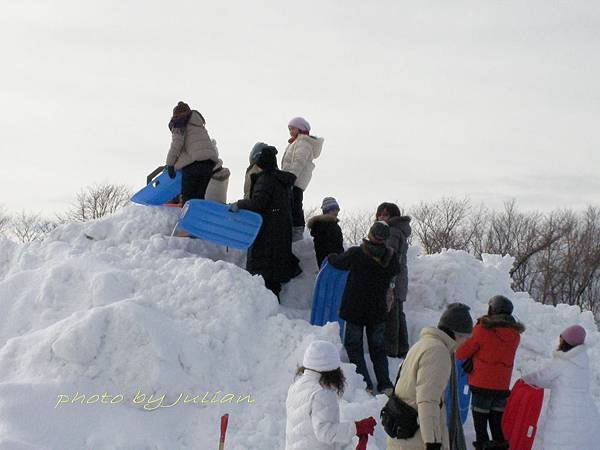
400, 231
298, 158
423, 379
271, 253
371, 269
327, 236
572, 421
492, 346
191, 143
313, 417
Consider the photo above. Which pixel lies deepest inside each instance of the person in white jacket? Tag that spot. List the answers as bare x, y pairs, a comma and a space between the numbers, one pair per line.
312, 405
298, 159
572, 419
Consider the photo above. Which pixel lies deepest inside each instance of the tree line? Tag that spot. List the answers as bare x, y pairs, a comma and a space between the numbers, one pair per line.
557, 253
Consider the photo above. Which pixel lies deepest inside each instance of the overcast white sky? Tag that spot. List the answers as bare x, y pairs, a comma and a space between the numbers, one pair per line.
415, 100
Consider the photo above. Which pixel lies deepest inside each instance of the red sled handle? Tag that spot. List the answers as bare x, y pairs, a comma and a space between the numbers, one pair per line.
224, 423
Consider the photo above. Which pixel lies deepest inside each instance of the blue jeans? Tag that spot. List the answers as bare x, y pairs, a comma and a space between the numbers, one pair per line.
353, 342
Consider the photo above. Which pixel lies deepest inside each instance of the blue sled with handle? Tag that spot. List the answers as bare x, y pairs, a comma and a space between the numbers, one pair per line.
160, 190
327, 296
464, 394
213, 222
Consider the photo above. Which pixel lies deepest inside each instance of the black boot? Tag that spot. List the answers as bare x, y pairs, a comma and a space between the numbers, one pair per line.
479, 445
480, 421
495, 445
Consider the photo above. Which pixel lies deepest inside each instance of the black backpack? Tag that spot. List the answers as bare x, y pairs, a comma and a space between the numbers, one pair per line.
399, 419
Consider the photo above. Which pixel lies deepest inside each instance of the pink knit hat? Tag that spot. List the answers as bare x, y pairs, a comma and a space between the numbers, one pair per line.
300, 123
574, 335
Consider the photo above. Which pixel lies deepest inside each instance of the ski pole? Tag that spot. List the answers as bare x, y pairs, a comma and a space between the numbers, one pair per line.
224, 423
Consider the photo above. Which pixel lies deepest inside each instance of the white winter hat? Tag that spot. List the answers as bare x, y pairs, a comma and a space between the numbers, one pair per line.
321, 356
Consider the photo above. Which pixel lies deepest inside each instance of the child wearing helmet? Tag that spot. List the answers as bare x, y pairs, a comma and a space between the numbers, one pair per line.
489, 356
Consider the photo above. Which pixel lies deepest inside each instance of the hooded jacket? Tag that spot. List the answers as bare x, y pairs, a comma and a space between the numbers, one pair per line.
327, 236
572, 420
371, 269
423, 379
298, 158
313, 417
191, 143
400, 231
492, 346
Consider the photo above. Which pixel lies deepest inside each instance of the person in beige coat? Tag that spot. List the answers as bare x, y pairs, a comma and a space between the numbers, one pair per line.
192, 151
424, 376
298, 159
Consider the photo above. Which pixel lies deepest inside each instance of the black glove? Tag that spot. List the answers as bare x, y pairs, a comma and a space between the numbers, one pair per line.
233, 207
171, 171
430, 446
467, 365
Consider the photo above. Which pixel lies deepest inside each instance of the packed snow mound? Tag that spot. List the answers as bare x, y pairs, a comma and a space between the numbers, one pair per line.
175, 333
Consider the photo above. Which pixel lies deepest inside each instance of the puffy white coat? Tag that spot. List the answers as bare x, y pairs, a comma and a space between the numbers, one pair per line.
572, 419
298, 158
313, 417
191, 144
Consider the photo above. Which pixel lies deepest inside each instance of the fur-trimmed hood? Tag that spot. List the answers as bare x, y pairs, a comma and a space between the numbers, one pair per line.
379, 252
401, 223
501, 321
321, 218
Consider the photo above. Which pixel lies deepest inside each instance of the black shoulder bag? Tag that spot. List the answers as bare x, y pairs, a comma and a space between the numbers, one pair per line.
399, 419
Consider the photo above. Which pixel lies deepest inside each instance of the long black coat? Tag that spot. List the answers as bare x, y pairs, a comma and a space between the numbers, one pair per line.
371, 267
399, 233
271, 254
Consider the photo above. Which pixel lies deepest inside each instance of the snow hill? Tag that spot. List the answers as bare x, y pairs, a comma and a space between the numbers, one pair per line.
160, 336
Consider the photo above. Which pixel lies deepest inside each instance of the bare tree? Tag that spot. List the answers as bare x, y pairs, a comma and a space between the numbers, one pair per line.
443, 224
4, 221
28, 227
97, 201
355, 226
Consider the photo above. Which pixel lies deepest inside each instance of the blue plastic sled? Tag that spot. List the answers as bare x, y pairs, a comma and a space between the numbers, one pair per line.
214, 222
464, 394
327, 296
160, 190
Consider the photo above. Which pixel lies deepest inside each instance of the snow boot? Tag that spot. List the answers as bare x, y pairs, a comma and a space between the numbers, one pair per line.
495, 445
480, 445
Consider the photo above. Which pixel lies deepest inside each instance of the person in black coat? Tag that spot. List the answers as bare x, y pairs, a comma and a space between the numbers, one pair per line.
326, 233
271, 253
372, 266
396, 333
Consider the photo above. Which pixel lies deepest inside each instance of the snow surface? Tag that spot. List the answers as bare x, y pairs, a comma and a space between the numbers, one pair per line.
117, 306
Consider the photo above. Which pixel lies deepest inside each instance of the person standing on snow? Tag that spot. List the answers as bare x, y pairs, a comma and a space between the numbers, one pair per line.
298, 159
489, 357
424, 375
192, 151
271, 253
572, 419
371, 265
327, 234
312, 405
396, 333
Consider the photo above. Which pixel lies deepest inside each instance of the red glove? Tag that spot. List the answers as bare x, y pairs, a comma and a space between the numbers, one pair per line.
365, 427
362, 442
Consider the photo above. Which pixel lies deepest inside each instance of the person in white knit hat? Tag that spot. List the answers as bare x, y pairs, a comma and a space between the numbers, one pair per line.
312, 405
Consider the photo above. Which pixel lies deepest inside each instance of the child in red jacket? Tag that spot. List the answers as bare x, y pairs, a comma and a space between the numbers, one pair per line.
489, 356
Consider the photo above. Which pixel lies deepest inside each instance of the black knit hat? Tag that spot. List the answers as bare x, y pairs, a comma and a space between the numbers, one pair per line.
379, 232
457, 318
267, 159
499, 304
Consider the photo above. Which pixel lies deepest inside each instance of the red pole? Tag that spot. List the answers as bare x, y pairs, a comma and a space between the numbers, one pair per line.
224, 423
